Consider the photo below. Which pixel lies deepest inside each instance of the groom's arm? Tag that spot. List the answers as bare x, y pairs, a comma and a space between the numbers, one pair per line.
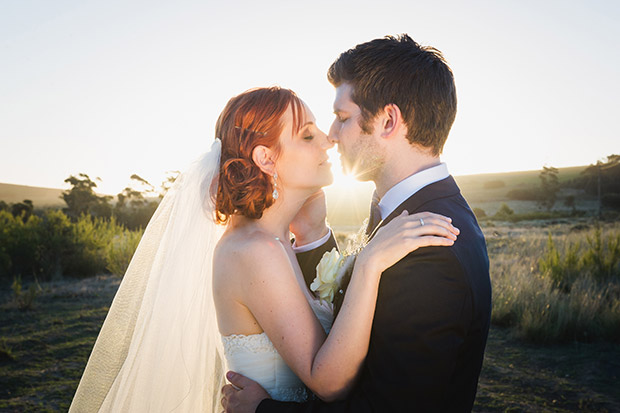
310, 256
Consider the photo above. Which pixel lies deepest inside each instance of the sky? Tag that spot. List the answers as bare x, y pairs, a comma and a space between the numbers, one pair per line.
112, 88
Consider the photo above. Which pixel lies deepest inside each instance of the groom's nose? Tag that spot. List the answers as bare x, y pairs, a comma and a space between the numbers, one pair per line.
333, 135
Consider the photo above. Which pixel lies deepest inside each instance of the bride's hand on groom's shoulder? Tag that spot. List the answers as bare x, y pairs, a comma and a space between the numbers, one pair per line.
309, 223
407, 233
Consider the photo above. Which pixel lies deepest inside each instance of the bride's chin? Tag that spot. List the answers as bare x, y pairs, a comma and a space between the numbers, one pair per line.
329, 179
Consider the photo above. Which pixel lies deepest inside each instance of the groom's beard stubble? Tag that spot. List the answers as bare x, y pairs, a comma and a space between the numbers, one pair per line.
364, 160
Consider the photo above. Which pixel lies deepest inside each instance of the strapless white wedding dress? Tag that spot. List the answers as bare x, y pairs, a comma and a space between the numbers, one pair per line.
255, 357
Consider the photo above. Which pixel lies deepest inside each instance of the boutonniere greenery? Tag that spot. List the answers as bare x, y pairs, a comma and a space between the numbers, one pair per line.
334, 266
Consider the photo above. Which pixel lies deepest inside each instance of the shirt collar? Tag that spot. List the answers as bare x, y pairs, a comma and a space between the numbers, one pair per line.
400, 192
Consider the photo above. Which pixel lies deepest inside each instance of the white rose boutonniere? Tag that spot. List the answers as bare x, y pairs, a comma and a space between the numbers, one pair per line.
329, 274
334, 266
325, 284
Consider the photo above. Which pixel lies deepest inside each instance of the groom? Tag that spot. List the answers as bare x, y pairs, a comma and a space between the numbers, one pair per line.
395, 104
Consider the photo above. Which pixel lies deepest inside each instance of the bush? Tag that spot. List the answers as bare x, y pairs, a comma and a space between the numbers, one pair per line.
479, 213
121, 250
19, 245
55, 243
51, 246
24, 300
504, 212
90, 238
135, 217
598, 260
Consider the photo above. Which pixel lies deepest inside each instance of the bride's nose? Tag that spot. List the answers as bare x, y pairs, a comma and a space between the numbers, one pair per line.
326, 143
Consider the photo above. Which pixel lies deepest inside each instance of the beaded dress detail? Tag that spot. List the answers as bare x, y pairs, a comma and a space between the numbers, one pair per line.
255, 357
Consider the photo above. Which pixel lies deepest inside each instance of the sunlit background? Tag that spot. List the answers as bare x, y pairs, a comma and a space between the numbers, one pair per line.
113, 88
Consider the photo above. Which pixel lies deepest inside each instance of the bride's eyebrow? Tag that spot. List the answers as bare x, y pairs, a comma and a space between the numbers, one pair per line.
305, 125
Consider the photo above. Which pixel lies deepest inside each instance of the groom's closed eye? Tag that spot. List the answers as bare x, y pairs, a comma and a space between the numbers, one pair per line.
339, 117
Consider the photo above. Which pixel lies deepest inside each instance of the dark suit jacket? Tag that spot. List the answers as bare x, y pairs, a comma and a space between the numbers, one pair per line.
431, 322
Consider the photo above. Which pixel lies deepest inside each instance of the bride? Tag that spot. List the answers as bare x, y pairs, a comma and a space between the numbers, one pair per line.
199, 296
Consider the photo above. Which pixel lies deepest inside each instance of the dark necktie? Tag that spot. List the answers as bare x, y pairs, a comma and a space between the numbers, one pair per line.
375, 214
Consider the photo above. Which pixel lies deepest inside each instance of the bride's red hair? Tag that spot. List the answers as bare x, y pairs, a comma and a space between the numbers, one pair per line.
250, 119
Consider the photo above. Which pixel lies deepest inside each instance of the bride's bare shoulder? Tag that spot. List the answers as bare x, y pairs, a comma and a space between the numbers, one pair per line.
248, 249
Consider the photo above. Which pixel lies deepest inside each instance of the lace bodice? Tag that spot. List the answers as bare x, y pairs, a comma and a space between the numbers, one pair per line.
255, 357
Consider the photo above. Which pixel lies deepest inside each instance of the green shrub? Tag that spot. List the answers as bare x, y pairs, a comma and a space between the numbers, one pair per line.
120, 251
19, 245
51, 245
24, 300
55, 243
90, 238
566, 290
504, 212
599, 259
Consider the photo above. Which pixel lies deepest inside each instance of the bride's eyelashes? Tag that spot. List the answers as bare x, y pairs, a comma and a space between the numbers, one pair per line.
309, 137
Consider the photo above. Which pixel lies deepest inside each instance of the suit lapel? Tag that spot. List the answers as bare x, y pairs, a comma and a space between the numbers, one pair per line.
441, 189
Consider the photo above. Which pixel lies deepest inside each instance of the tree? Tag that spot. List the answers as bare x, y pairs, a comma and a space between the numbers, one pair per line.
603, 179
82, 199
136, 203
22, 209
549, 187
171, 177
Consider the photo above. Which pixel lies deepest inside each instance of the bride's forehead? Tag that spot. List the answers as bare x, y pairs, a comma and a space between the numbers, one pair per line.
292, 119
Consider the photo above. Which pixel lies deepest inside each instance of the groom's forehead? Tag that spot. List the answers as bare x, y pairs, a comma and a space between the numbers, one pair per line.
343, 100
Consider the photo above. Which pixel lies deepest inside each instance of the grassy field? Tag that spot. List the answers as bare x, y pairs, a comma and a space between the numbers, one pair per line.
43, 350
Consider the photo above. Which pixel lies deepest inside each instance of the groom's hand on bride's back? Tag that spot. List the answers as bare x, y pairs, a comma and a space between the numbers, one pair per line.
242, 395
309, 223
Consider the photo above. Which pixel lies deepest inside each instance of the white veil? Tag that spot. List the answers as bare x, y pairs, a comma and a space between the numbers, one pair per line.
159, 349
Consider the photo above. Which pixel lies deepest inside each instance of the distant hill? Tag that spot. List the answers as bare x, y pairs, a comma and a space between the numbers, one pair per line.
347, 209
41, 197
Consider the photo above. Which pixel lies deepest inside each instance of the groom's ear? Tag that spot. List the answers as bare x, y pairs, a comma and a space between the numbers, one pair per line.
392, 121
263, 157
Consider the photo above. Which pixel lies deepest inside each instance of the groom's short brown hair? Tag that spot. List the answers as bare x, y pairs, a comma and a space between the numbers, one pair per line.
398, 70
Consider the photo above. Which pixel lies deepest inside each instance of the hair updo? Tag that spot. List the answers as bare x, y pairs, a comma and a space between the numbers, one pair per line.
250, 119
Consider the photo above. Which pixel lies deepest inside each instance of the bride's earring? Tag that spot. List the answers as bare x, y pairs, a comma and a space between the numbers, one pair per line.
275, 194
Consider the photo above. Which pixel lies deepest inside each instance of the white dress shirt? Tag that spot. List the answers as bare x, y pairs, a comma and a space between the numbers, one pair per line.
400, 192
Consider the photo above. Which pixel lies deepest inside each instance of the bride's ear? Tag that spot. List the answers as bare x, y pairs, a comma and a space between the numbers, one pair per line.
263, 157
